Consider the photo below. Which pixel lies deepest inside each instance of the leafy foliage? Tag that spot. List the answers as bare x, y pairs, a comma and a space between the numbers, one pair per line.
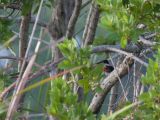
5, 30
73, 55
121, 18
4, 80
8, 1
151, 99
64, 105
27, 6
3, 109
90, 74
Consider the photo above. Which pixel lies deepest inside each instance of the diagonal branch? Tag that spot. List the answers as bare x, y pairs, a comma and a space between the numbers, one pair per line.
73, 19
120, 71
98, 99
15, 100
42, 71
91, 25
31, 39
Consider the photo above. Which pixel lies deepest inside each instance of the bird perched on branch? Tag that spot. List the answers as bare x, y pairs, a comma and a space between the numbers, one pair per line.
107, 67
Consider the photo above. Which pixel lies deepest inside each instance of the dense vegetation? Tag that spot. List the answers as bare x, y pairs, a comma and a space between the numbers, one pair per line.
55, 45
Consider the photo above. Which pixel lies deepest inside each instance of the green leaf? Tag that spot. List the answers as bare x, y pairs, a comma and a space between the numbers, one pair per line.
147, 7
123, 41
84, 84
27, 6
5, 30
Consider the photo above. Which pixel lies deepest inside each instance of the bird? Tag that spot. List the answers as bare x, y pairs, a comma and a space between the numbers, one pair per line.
107, 67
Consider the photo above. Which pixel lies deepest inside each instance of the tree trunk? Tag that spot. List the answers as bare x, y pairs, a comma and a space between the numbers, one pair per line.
23, 42
58, 25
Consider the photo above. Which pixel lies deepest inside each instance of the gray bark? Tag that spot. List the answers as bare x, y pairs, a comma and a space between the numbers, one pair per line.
106, 85
58, 25
91, 25
113, 98
23, 42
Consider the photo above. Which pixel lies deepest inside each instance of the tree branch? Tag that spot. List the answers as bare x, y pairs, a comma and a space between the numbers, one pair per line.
73, 19
42, 71
21, 84
93, 22
110, 48
32, 21
11, 6
23, 42
87, 23
120, 71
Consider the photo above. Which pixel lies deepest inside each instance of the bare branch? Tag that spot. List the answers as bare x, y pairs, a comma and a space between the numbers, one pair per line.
31, 38
58, 25
120, 71
32, 21
45, 69
15, 100
24, 29
147, 42
30, 116
12, 6
92, 22
42, 71
87, 23
119, 79
39, 22
73, 19
17, 59
34, 38
113, 98
104, 48
6, 90
108, 83
86, 3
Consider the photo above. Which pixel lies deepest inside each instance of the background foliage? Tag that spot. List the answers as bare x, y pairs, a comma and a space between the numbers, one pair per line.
120, 19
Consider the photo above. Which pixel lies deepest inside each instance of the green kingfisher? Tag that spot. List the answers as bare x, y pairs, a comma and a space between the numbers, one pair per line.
107, 67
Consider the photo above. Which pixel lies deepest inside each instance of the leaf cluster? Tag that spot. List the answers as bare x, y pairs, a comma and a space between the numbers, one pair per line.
122, 18
90, 73
5, 31
64, 105
151, 99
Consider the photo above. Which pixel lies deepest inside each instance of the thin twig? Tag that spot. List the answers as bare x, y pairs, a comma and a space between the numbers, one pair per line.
42, 71
17, 59
12, 6
119, 79
6, 90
